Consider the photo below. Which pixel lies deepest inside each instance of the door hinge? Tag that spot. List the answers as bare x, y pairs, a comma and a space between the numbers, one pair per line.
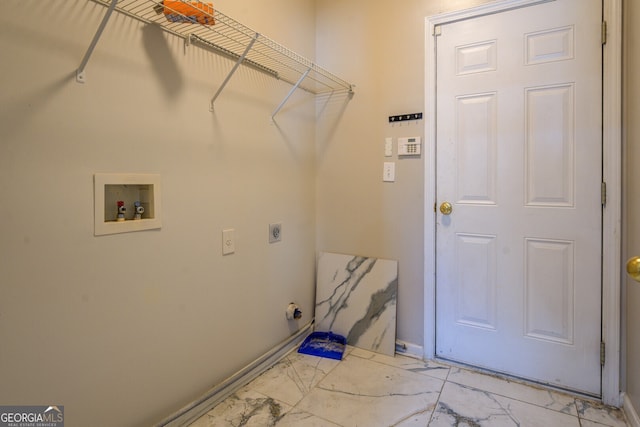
604, 32
603, 193
602, 353
437, 30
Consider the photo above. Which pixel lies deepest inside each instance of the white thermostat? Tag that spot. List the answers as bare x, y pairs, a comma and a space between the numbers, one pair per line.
409, 146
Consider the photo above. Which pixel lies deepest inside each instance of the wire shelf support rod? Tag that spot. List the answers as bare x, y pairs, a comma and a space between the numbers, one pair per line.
80, 77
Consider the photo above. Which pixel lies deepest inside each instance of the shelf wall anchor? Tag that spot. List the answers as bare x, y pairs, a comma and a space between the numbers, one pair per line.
233, 70
80, 78
293, 89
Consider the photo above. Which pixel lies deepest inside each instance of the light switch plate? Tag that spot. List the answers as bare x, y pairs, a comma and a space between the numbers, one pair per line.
388, 147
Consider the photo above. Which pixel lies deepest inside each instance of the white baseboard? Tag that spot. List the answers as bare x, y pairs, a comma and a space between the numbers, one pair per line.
630, 412
217, 394
409, 349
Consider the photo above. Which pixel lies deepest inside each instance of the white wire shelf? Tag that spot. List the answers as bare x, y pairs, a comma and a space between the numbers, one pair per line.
229, 38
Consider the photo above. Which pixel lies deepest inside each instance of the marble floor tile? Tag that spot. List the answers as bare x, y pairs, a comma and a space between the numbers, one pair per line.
599, 413
368, 389
587, 423
463, 405
293, 377
430, 368
356, 298
528, 414
246, 408
416, 420
360, 392
296, 418
545, 398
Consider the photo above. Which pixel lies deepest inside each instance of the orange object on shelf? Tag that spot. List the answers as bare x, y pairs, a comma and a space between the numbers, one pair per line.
187, 12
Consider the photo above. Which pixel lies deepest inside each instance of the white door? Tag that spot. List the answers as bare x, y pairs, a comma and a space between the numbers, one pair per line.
519, 158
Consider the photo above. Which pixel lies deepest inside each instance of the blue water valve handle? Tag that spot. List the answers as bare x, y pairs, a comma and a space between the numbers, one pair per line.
139, 209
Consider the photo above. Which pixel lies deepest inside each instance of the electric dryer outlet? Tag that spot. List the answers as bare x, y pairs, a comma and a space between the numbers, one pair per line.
275, 232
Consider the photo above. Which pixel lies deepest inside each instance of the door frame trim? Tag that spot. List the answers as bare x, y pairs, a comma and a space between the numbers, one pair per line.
612, 175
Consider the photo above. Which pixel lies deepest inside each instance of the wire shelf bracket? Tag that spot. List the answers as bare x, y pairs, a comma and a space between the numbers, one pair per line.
80, 77
233, 70
221, 34
293, 89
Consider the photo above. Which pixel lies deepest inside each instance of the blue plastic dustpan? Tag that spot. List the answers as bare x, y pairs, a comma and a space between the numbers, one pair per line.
324, 344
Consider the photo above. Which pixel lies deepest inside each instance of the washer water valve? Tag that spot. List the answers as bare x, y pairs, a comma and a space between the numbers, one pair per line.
139, 210
293, 312
121, 210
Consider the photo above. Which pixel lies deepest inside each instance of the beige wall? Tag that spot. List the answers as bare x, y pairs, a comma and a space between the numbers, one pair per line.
127, 328
381, 48
124, 329
631, 129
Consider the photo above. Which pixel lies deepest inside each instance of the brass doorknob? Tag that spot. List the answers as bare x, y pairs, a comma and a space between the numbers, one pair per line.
446, 208
633, 268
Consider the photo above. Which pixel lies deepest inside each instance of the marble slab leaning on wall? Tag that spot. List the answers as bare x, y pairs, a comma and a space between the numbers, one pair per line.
356, 297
